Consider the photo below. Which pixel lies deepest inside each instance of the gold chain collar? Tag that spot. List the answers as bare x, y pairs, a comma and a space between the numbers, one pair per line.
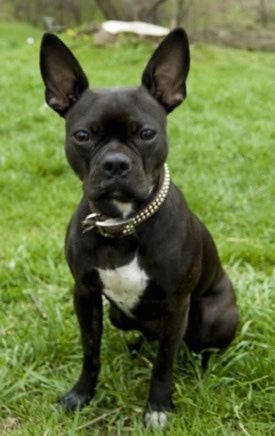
117, 227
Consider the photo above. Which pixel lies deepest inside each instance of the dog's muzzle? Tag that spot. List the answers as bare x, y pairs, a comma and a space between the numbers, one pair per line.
117, 227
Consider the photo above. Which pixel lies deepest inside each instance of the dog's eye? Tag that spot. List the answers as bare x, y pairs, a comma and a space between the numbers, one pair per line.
147, 134
82, 136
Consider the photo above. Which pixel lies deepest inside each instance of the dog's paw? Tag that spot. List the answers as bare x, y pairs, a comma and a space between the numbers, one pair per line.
155, 419
73, 400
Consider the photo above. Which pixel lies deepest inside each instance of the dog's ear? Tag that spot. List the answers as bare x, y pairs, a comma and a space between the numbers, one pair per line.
62, 74
167, 70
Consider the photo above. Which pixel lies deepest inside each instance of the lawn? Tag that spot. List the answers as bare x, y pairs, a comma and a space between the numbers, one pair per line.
222, 156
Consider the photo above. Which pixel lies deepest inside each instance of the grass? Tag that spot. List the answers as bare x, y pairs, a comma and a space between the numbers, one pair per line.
222, 155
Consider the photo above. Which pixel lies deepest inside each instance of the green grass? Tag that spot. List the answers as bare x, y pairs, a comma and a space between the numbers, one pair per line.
222, 156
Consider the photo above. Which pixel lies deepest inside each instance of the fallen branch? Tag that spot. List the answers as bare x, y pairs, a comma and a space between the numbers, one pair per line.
99, 418
38, 307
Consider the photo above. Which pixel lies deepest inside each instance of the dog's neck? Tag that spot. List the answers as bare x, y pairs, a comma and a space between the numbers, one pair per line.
119, 227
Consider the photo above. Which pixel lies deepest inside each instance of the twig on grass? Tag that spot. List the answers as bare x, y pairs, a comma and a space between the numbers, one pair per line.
99, 418
147, 361
38, 307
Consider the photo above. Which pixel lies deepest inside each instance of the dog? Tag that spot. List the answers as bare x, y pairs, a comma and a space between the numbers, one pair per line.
133, 238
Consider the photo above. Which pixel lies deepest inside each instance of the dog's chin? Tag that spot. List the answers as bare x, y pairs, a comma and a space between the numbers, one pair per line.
125, 209
119, 198
120, 201
118, 204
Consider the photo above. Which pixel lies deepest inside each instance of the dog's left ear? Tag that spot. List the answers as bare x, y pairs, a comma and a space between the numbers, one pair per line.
62, 74
167, 70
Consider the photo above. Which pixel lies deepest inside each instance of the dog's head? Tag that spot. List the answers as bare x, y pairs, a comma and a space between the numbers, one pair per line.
116, 138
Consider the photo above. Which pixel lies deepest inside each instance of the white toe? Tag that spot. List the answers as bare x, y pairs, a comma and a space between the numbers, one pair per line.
155, 419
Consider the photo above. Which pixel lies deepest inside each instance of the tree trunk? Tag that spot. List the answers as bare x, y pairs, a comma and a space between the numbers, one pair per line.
263, 13
129, 10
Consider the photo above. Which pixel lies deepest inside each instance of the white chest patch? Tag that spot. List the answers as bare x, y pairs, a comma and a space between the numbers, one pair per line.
124, 285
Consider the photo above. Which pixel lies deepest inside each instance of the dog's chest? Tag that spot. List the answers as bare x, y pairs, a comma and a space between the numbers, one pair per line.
124, 285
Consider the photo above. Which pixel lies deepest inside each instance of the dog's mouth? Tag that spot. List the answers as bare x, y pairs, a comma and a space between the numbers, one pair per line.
117, 202
120, 217
119, 196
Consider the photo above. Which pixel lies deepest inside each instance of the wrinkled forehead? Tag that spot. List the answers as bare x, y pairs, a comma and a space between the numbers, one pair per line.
125, 102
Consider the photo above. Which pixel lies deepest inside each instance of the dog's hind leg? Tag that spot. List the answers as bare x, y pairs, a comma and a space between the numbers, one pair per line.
213, 319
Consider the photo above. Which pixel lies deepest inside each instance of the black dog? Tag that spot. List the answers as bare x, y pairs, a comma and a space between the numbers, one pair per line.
132, 237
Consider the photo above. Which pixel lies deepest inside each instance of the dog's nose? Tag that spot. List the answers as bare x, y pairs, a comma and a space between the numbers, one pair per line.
116, 164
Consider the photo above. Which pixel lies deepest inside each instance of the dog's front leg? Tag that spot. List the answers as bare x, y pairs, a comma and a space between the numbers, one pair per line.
88, 307
160, 394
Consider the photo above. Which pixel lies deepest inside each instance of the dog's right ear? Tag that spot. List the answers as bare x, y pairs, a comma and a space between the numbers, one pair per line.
62, 74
